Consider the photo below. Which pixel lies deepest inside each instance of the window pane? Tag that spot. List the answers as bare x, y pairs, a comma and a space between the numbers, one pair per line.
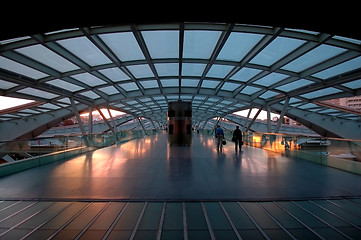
109, 90
37, 93
250, 90
167, 69
209, 84
162, 44
20, 69
114, 74
229, 86
340, 69
193, 69
141, 71
65, 85
88, 79
321, 93
149, 84
245, 74
294, 85
199, 44
129, 86
85, 50
219, 71
238, 45
270, 79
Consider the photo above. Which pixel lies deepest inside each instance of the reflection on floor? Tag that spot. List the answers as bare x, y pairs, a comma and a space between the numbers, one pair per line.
149, 169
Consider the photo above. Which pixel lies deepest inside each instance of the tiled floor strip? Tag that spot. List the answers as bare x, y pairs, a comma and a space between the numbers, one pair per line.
313, 219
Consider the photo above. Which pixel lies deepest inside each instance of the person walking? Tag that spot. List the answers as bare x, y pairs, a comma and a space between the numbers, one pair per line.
219, 136
237, 138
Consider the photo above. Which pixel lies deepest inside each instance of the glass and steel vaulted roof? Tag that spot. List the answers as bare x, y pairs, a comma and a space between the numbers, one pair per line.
220, 68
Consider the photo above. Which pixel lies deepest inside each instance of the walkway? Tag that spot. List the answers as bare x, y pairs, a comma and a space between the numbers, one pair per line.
149, 169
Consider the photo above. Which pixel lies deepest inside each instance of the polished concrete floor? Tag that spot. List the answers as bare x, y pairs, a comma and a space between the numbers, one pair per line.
150, 169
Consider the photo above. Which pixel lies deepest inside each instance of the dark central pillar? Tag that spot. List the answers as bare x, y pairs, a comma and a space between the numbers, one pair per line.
180, 123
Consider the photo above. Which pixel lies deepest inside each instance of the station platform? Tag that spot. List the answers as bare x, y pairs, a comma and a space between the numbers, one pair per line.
147, 189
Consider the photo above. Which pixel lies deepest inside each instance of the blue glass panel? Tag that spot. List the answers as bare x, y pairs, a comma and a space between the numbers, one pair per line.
167, 69
20, 69
129, 86
124, 45
340, 69
37, 93
250, 90
268, 94
109, 90
245, 74
276, 50
294, 85
48, 58
162, 44
219, 71
229, 86
149, 84
193, 69
199, 44
141, 71
270, 79
321, 93
85, 50
209, 84
7, 85
114, 74
170, 83
238, 45
90, 94
354, 84
88, 79
189, 82
313, 57
65, 85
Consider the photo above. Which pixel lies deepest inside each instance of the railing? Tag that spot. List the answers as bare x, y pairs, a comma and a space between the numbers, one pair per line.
343, 154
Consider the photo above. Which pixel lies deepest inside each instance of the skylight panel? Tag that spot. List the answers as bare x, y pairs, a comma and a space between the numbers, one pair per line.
167, 69
114, 74
238, 45
7, 85
129, 86
65, 85
47, 57
149, 84
219, 71
141, 71
313, 57
268, 94
321, 93
209, 84
193, 69
88, 79
294, 85
124, 45
353, 85
340, 68
85, 50
199, 44
90, 94
170, 82
109, 90
162, 44
227, 86
190, 82
21, 69
245, 74
270, 79
277, 49
249, 90
37, 93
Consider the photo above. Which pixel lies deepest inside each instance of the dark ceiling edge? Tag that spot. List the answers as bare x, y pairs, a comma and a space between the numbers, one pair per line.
320, 20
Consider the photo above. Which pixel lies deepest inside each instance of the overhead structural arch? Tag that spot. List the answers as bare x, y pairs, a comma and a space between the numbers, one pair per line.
220, 67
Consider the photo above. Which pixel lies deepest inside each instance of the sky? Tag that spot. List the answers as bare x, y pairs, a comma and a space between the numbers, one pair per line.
7, 102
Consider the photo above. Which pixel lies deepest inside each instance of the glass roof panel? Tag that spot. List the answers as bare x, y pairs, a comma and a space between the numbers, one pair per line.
124, 45
340, 68
20, 68
250, 90
109, 90
150, 84
170, 82
114, 74
90, 94
321, 93
238, 45
270, 79
47, 57
7, 85
209, 84
190, 82
294, 85
167, 69
313, 57
230, 86
199, 44
193, 69
354, 84
65, 85
38, 93
219, 71
85, 50
276, 50
88, 79
268, 94
129, 86
245, 74
141, 71
162, 44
